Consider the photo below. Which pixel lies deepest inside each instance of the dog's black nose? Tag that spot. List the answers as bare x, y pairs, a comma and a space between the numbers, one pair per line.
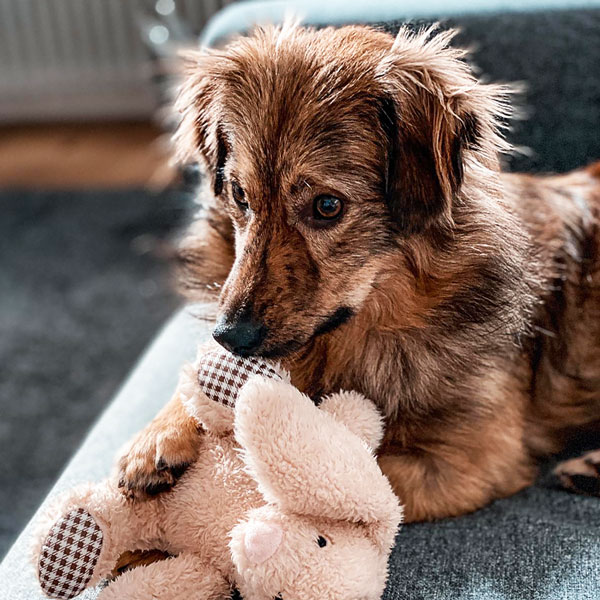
241, 336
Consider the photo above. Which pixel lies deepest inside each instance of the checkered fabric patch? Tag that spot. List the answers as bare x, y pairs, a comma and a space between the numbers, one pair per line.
69, 555
221, 375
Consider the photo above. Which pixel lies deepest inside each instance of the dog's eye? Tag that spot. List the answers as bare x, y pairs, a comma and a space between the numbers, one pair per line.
321, 541
327, 207
239, 195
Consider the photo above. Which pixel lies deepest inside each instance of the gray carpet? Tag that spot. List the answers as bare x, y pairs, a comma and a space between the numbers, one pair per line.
84, 286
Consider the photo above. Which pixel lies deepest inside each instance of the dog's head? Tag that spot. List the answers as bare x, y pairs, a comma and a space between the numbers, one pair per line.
329, 150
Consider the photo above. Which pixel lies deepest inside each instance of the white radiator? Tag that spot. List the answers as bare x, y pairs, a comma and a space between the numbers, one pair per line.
82, 59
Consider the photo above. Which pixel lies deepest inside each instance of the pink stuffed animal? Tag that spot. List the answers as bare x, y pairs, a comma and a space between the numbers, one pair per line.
286, 501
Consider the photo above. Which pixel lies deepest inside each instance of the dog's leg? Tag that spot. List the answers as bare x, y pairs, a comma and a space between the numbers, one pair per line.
433, 488
581, 474
160, 453
461, 470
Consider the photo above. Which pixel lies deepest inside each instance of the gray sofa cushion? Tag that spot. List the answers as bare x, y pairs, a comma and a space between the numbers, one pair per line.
542, 544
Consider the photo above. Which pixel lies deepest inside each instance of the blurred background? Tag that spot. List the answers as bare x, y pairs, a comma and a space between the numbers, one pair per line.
89, 209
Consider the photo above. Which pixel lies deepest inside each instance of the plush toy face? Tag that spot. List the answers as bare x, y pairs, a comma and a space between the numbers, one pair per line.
303, 558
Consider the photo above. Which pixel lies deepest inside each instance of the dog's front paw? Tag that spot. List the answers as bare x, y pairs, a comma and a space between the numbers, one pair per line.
581, 474
156, 458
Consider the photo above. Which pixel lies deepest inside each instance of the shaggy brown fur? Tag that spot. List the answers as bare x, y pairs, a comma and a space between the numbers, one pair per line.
464, 301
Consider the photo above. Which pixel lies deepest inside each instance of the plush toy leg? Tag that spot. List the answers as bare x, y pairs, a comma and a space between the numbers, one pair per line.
96, 524
184, 576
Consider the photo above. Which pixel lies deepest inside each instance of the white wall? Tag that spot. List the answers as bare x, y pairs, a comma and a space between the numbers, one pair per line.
82, 59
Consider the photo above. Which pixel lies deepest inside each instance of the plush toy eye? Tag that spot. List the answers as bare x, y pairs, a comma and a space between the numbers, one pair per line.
321, 541
239, 195
327, 207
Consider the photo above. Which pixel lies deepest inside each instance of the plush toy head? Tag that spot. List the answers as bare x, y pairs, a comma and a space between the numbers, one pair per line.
291, 557
330, 517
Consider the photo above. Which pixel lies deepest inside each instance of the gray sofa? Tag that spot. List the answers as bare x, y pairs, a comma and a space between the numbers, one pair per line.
543, 543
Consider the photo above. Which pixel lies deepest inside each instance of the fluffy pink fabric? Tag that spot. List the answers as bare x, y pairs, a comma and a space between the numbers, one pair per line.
302, 511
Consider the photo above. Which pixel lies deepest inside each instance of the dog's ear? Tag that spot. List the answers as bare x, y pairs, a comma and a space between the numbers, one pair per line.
435, 117
199, 135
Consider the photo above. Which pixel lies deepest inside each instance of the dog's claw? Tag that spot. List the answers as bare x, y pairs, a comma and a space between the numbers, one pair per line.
585, 485
153, 466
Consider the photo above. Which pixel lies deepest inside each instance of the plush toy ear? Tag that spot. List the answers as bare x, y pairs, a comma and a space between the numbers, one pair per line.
199, 135
435, 115
307, 463
357, 413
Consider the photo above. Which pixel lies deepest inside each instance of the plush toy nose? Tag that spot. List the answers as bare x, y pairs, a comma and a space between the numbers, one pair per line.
261, 541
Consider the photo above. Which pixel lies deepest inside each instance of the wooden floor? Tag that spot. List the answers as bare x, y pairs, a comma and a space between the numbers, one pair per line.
83, 155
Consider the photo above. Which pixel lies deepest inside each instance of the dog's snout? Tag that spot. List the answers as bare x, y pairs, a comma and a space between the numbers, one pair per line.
242, 336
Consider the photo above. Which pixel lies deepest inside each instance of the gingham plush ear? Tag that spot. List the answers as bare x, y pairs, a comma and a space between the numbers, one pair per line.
209, 389
221, 375
69, 554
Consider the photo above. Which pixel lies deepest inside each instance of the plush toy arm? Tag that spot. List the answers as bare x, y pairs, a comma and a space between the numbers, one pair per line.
308, 463
184, 576
357, 413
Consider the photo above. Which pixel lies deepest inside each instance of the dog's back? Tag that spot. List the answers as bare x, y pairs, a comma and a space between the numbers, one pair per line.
562, 213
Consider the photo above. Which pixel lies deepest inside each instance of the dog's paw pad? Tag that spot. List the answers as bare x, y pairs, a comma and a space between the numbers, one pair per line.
581, 474
69, 554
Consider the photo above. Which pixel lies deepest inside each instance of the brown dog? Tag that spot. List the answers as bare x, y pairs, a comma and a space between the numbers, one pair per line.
363, 234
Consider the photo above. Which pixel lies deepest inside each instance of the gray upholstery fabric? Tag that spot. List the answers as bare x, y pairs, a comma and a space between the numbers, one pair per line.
239, 17
542, 544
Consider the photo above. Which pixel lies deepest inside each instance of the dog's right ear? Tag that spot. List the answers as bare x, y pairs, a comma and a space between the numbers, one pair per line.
436, 119
199, 135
